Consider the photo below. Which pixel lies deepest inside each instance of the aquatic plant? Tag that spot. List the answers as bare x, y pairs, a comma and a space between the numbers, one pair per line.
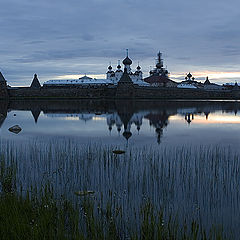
185, 192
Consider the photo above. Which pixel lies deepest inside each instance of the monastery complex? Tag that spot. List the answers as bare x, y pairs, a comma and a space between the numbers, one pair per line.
123, 82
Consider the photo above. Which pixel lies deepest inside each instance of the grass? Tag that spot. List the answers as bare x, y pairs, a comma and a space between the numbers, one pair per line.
170, 193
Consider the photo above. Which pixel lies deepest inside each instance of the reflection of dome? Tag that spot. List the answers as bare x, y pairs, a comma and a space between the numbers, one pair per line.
127, 61
127, 135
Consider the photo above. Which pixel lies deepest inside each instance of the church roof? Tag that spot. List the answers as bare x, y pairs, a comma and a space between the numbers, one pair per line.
125, 77
157, 79
2, 79
207, 82
35, 83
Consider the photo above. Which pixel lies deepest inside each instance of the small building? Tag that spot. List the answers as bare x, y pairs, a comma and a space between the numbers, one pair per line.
212, 86
190, 83
84, 81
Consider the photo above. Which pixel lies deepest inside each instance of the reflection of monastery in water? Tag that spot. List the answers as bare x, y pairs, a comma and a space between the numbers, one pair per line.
125, 118
123, 123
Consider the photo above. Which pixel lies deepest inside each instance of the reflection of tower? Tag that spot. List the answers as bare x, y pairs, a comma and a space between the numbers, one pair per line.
3, 111
125, 113
137, 120
127, 133
118, 124
159, 132
110, 122
35, 113
206, 114
159, 121
189, 117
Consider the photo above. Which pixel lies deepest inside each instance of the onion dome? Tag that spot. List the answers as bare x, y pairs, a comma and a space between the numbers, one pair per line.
207, 82
159, 65
118, 66
189, 75
127, 61
138, 68
110, 68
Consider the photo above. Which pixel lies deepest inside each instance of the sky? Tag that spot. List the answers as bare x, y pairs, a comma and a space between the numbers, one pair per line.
61, 39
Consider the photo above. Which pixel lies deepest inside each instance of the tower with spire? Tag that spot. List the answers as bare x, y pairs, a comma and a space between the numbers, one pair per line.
159, 70
3, 87
35, 82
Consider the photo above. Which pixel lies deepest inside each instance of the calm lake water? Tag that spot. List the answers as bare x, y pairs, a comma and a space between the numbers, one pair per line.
150, 123
186, 153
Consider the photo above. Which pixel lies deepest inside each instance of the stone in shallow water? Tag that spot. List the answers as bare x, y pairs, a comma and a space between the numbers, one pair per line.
84, 193
118, 151
15, 129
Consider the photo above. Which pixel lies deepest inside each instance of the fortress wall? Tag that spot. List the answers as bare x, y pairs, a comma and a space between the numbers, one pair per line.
176, 93
124, 92
59, 92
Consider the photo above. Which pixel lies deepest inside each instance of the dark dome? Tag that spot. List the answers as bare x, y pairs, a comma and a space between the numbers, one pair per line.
189, 75
127, 61
158, 65
127, 135
138, 67
118, 66
110, 67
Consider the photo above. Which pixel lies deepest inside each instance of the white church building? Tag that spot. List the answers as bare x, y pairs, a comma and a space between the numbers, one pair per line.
112, 77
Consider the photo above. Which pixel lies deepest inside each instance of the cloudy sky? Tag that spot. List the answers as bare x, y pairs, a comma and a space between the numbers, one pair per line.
66, 39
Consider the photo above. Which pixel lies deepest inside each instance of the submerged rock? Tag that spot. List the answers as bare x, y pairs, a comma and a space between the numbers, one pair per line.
15, 129
84, 193
118, 151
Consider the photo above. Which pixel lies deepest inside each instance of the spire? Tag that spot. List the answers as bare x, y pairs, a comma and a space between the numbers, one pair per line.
118, 66
127, 60
159, 63
35, 82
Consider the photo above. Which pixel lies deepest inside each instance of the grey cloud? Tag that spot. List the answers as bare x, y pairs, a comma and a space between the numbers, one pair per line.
56, 37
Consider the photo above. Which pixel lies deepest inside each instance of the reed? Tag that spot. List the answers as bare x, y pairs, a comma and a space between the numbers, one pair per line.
168, 193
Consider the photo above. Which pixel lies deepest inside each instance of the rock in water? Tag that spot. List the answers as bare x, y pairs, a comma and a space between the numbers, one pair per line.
118, 151
15, 129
